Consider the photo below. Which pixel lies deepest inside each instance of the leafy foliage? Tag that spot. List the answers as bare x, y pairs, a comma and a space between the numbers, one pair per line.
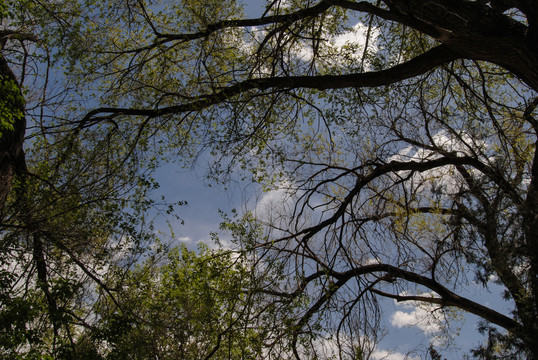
191, 306
401, 135
9, 105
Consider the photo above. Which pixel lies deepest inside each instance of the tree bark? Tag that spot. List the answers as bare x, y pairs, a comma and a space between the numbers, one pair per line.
12, 159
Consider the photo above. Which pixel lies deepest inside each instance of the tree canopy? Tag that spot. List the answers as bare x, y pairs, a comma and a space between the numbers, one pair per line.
400, 134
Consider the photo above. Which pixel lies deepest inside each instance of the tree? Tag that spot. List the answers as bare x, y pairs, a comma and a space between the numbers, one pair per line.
408, 156
192, 306
72, 202
12, 118
411, 154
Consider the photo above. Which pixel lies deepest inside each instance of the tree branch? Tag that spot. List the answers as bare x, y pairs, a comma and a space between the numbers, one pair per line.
448, 297
417, 66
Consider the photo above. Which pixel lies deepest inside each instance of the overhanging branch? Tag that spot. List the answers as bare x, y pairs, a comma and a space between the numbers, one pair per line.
448, 298
417, 66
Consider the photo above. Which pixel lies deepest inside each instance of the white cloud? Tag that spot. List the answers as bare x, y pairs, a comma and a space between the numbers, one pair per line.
427, 317
331, 346
391, 355
371, 261
275, 203
445, 178
352, 40
357, 36
418, 317
355, 39
185, 239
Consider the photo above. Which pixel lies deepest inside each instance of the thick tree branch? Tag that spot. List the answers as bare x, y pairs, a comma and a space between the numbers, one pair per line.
473, 30
8, 34
448, 297
12, 160
420, 65
411, 21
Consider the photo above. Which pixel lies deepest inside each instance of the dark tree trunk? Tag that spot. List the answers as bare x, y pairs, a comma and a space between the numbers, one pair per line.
11, 141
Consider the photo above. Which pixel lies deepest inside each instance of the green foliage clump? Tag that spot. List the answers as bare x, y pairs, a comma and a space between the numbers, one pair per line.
192, 306
11, 104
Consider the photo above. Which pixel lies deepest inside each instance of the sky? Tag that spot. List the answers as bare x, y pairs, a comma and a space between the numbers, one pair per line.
201, 217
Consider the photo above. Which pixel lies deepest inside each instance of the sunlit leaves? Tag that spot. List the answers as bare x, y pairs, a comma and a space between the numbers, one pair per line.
10, 105
189, 306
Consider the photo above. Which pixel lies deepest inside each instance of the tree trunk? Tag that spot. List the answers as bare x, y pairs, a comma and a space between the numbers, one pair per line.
11, 140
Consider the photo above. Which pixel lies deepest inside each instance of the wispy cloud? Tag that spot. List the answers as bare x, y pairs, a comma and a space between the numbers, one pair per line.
420, 318
391, 355
426, 317
185, 239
